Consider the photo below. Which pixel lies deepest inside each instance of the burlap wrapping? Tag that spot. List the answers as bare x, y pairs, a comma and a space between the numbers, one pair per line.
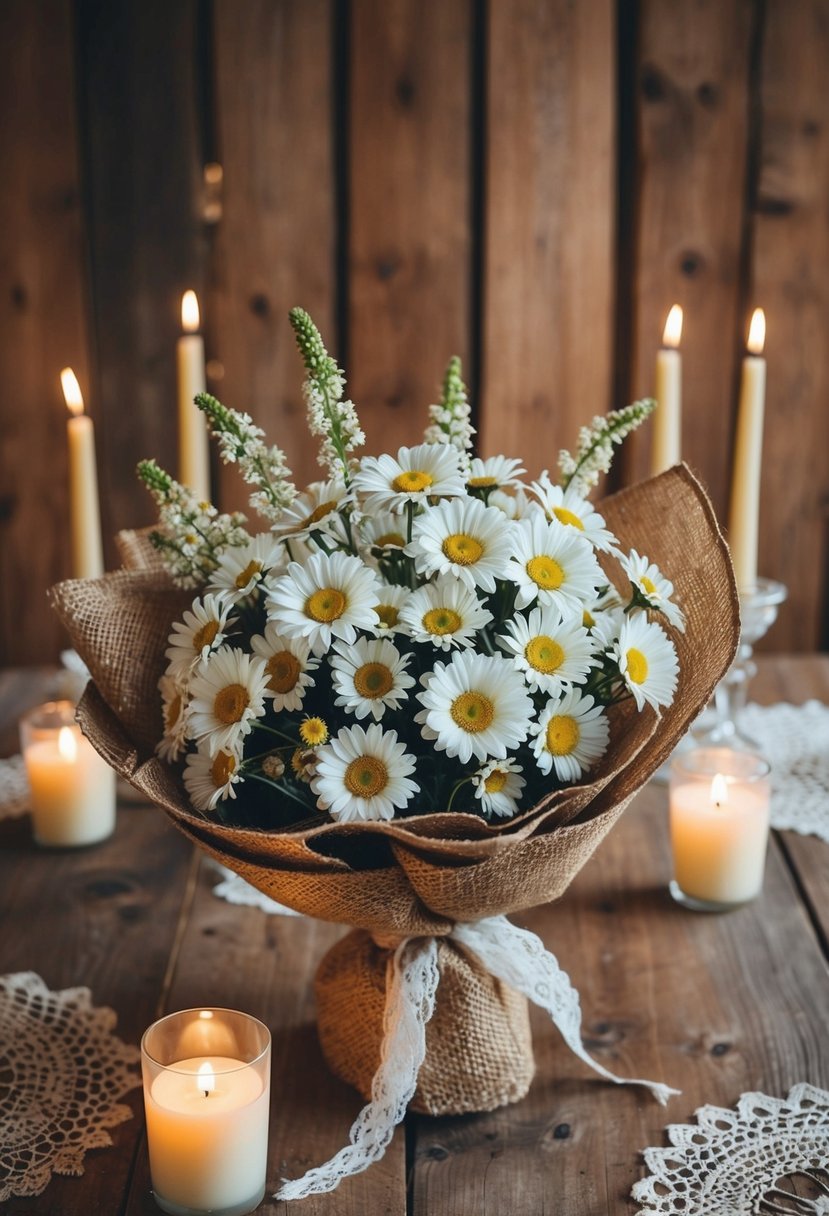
478, 1045
418, 875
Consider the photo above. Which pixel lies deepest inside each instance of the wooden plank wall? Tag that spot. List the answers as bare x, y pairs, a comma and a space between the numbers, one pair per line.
527, 183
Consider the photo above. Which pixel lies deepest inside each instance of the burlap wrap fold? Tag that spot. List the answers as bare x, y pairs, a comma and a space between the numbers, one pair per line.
417, 876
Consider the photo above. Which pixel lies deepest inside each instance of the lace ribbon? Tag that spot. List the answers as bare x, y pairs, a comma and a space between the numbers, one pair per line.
513, 955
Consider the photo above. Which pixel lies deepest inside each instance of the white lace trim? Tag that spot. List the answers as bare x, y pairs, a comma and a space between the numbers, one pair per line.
795, 741
513, 955
14, 788
735, 1163
412, 980
63, 1075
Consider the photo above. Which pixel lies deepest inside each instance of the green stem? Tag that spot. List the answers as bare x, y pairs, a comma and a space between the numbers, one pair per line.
282, 789
463, 781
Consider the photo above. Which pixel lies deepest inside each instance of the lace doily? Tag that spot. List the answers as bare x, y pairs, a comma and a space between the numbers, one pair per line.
62, 1075
14, 787
736, 1163
795, 740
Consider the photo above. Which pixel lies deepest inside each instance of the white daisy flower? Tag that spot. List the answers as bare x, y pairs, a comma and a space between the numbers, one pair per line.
287, 665
363, 774
568, 508
552, 652
464, 538
515, 505
241, 571
316, 509
446, 613
554, 565
419, 473
498, 786
392, 600
570, 736
174, 710
202, 630
476, 705
605, 626
494, 473
653, 587
210, 779
227, 696
331, 596
647, 661
369, 677
385, 530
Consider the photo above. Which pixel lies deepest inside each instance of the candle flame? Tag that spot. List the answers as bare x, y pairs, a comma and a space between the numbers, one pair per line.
206, 1078
757, 332
673, 327
72, 394
206, 1014
190, 312
67, 743
719, 790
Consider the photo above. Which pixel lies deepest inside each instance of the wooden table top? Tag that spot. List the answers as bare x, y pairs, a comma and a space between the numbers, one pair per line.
712, 1004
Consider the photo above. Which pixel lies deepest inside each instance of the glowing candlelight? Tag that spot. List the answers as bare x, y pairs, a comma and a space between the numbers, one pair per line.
194, 456
84, 509
667, 418
744, 515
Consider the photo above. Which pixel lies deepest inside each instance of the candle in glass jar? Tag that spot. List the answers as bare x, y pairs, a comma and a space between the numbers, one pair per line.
207, 1115
667, 418
719, 813
72, 789
194, 456
84, 508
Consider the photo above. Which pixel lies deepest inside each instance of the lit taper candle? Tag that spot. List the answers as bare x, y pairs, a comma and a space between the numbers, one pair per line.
667, 418
84, 508
194, 457
744, 516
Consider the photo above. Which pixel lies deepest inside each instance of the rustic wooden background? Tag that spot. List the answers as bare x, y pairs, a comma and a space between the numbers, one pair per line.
527, 183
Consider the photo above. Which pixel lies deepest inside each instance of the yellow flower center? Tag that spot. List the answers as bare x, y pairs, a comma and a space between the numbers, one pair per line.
373, 680
587, 619
482, 483
222, 769
472, 712
366, 777
495, 782
283, 671
647, 586
441, 620
545, 572
325, 605
637, 666
412, 481
462, 549
388, 614
313, 731
205, 636
390, 540
297, 762
173, 712
244, 577
544, 654
563, 735
320, 512
568, 517
230, 703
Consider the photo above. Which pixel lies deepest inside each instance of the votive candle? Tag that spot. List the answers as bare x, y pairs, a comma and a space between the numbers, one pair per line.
207, 1113
72, 787
719, 813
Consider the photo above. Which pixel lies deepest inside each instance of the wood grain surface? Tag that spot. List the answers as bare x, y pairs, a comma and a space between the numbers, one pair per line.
715, 1005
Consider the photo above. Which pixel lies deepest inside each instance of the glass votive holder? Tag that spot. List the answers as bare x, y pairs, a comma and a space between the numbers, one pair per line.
72, 787
206, 1075
719, 814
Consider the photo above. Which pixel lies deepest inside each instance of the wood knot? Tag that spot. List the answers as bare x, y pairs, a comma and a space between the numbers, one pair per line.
691, 263
708, 95
260, 305
652, 83
405, 91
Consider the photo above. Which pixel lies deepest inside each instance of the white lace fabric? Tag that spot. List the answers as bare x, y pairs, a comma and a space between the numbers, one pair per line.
513, 955
795, 741
63, 1074
14, 788
736, 1162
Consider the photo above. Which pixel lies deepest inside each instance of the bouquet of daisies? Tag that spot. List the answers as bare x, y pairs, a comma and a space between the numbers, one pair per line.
419, 632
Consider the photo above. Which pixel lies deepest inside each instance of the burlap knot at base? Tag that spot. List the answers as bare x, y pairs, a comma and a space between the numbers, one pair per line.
478, 1045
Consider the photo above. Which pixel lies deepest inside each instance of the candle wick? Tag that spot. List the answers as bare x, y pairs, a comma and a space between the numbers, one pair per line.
207, 1093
